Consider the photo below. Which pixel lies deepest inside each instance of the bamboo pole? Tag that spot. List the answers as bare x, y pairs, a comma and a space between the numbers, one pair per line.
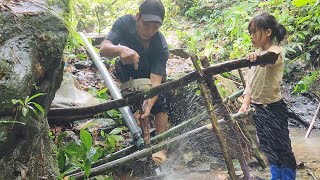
216, 129
255, 149
167, 134
234, 96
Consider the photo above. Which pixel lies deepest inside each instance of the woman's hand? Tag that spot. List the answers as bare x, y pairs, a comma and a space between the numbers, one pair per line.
253, 56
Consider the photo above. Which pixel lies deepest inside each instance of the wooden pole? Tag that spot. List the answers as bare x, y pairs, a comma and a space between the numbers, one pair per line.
214, 121
57, 113
233, 128
312, 122
242, 78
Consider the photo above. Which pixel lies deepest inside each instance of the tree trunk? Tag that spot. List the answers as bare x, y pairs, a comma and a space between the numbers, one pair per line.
32, 40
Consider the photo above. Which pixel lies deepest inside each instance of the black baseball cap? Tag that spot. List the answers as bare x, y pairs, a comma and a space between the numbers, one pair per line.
152, 10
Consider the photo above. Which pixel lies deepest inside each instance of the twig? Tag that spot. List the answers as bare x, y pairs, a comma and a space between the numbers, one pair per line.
311, 174
313, 121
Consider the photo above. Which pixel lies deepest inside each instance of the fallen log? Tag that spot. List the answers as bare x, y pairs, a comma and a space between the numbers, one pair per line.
56, 113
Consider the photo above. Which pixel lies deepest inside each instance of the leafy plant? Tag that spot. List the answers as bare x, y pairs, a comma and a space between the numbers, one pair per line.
113, 138
102, 94
304, 84
26, 105
81, 154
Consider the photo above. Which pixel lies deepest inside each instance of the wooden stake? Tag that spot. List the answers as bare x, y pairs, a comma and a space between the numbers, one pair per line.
242, 78
214, 121
233, 128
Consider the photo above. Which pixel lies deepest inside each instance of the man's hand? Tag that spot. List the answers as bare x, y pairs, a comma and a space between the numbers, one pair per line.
146, 110
129, 56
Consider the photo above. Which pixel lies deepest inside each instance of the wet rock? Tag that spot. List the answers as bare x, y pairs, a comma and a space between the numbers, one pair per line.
82, 64
105, 124
31, 45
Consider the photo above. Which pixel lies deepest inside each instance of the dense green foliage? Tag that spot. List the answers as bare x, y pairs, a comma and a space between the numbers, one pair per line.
215, 28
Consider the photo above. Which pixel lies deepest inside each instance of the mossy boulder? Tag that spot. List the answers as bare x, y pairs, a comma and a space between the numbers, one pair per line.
32, 40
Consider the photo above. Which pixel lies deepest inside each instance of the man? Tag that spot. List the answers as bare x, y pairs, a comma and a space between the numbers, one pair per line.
143, 53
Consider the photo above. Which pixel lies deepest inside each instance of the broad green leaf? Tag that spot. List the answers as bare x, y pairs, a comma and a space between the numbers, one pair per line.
304, 19
300, 35
111, 141
61, 161
102, 133
11, 122
87, 167
14, 101
315, 38
110, 113
39, 107
118, 138
74, 150
26, 100
86, 139
116, 130
34, 96
24, 111
97, 155
34, 111
300, 3
104, 90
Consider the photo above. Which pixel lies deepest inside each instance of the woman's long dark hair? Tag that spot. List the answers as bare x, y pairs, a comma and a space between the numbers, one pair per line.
265, 21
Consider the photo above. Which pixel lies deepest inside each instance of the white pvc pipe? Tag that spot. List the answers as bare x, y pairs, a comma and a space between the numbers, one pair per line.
115, 92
